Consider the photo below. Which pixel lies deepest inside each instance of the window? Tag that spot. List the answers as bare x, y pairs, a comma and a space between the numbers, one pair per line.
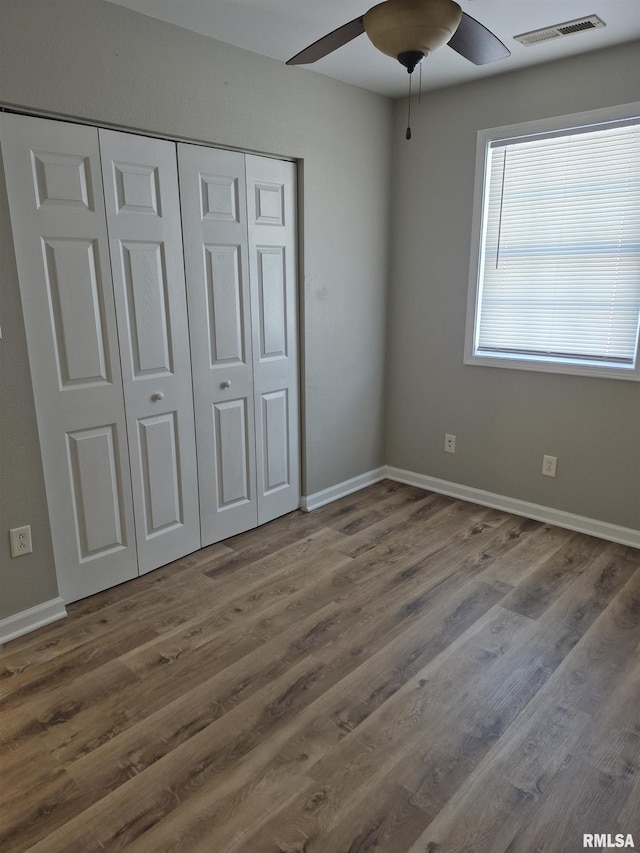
555, 270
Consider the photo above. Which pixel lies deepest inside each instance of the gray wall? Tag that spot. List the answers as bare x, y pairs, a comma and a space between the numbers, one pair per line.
504, 420
93, 60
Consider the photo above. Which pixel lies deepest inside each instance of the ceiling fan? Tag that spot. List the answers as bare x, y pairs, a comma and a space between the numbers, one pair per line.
409, 30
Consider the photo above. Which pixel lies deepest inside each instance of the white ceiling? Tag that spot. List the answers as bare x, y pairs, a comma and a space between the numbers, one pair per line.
281, 28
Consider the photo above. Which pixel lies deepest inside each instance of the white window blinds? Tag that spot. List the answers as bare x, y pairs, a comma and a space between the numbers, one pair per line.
559, 271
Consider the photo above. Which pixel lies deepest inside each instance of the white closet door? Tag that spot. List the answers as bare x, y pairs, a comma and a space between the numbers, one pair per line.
143, 221
213, 199
271, 212
57, 212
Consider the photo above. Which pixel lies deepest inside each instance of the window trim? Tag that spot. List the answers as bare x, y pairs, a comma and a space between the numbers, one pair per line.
556, 125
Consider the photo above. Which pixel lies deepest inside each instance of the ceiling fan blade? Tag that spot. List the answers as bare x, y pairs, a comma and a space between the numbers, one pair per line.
476, 43
327, 44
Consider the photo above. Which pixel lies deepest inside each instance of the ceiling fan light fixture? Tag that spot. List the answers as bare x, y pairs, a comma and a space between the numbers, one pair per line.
406, 26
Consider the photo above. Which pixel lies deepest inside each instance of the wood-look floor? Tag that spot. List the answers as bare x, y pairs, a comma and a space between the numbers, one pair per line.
397, 671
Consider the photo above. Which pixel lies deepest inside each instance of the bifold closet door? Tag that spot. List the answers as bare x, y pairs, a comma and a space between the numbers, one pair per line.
56, 203
271, 194
239, 227
123, 372
214, 222
145, 235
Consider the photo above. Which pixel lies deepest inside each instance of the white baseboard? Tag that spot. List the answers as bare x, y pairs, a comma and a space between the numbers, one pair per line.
558, 517
326, 496
28, 620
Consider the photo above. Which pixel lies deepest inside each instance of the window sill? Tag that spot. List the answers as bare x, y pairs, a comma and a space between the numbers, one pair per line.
561, 368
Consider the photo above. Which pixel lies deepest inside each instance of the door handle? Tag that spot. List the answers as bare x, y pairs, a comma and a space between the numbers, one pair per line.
225, 384
157, 396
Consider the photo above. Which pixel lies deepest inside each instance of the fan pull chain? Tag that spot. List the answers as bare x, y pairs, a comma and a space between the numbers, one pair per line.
408, 133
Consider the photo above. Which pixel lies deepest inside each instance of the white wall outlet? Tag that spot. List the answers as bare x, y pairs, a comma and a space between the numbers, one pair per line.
20, 540
549, 464
449, 444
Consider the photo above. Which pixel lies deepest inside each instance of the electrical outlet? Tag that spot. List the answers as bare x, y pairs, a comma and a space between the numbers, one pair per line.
449, 444
549, 464
20, 541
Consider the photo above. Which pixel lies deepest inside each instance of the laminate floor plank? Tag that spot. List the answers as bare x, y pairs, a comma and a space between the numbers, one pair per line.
612, 744
143, 798
437, 510
390, 822
69, 666
382, 500
177, 722
172, 573
264, 541
610, 641
338, 627
169, 669
33, 725
372, 731
502, 792
532, 544
506, 694
578, 801
36, 812
116, 754
322, 726
168, 677
216, 818
275, 584
510, 810
396, 671
540, 588
182, 589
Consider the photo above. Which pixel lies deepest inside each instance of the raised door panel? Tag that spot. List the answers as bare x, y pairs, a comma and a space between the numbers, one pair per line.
271, 216
271, 303
226, 314
213, 200
62, 179
160, 464
97, 486
275, 440
57, 212
143, 216
231, 441
77, 312
146, 308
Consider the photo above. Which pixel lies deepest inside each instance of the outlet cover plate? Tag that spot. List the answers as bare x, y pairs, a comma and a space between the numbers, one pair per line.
20, 538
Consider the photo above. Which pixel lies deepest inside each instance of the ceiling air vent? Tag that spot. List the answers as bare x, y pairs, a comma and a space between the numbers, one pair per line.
591, 22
